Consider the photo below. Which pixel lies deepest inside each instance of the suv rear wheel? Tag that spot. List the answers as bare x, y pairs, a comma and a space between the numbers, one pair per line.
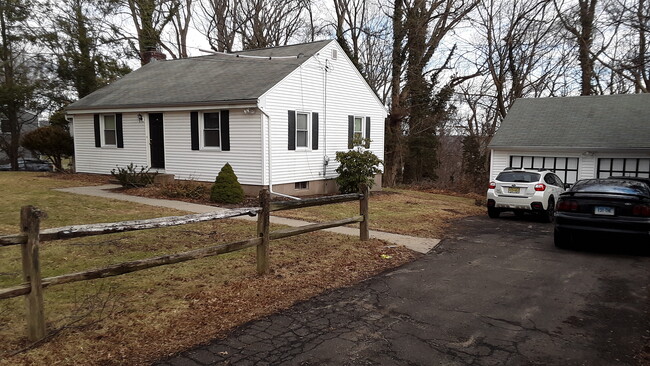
549, 214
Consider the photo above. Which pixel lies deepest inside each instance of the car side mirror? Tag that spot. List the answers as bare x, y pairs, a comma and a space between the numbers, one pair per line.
567, 185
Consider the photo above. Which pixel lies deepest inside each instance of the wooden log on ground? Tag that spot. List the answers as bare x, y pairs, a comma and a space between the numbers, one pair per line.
76, 231
293, 231
320, 201
127, 267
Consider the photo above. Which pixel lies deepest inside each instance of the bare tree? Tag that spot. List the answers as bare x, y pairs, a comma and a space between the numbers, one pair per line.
150, 17
250, 24
580, 22
419, 28
181, 12
221, 25
630, 59
363, 32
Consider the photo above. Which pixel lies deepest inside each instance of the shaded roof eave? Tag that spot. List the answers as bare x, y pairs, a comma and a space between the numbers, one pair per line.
569, 148
166, 105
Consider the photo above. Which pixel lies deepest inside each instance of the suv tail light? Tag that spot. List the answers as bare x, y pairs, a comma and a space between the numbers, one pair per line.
492, 185
641, 210
567, 205
540, 187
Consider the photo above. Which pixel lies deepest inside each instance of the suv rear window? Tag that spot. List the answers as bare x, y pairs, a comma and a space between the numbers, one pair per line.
612, 186
523, 177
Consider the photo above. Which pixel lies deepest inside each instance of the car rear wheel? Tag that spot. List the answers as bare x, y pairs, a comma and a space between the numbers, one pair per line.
562, 239
549, 214
493, 212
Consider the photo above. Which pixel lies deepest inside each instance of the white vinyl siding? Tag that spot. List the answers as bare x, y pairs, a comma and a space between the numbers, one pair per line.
347, 93
90, 159
245, 155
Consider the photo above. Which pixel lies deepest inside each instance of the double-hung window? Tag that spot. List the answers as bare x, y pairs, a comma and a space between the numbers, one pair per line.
110, 130
302, 130
358, 128
211, 129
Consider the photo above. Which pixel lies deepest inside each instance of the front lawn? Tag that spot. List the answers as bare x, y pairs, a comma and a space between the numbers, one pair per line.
401, 211
140, 317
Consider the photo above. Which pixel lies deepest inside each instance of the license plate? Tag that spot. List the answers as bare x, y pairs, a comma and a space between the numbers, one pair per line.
601, 210
513, 190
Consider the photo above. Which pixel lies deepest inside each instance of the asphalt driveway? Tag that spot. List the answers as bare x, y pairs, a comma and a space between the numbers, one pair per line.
496, 292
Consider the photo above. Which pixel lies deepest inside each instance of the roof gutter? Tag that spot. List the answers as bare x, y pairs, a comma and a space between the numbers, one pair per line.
570, 148
270, 159
238, 103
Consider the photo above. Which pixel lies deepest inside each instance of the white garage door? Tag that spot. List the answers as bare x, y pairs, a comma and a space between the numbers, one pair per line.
631, 167
565, 168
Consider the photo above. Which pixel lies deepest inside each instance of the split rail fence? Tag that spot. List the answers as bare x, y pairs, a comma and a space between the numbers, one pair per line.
31, 236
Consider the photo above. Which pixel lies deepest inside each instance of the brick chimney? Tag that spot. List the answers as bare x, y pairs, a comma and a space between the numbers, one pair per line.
152, 54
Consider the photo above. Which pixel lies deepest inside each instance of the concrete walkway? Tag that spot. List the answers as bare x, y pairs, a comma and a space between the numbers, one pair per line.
421, 245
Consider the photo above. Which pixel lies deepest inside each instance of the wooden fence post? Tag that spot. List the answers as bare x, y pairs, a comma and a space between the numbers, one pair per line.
30, 221
364, 233
263, 228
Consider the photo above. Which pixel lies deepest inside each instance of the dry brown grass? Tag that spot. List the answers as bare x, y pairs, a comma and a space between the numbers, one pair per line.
400, 211
140, 317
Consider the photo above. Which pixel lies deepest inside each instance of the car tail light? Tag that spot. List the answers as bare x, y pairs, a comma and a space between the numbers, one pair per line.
567, 205
641, 210
492, 185
540, 187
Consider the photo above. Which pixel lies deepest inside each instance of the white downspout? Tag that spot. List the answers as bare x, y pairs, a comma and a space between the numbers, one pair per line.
268, 118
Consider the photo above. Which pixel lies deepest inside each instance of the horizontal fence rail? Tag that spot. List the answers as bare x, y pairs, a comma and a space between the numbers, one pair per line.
31, 237
78, 231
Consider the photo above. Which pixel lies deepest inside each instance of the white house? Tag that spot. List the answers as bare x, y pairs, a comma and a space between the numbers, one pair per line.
277, 115
577, 137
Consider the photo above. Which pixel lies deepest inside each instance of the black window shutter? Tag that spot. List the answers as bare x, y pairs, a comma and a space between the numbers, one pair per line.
119, 130
194, 129
292, 130
225, 130
367, 132
98, 132
314, 131
350, 131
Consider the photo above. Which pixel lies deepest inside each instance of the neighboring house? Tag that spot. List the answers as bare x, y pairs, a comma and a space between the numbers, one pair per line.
277, 115
29, 122
577, 137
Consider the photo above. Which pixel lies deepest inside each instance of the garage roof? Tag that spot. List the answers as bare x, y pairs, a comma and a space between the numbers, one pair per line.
591, 122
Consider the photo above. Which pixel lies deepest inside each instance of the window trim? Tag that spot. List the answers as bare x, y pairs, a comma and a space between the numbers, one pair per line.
103, 130
308, 130
202, 130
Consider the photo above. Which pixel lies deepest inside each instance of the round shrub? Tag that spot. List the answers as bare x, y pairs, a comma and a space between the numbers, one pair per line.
226, 188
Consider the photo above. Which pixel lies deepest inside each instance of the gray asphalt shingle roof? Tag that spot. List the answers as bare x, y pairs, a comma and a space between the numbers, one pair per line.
201, 80
596, 122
